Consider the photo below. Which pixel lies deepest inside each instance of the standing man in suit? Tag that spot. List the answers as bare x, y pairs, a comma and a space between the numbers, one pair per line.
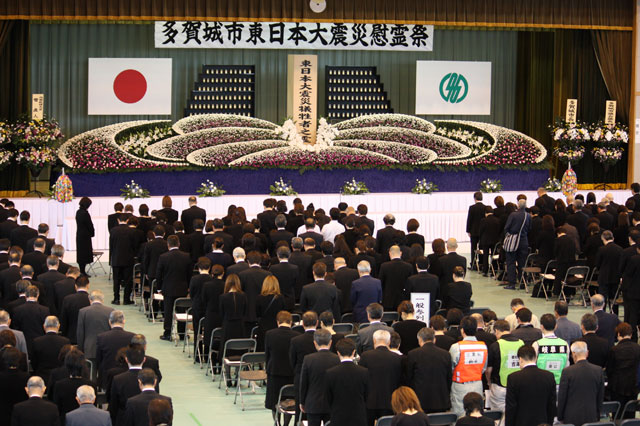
43, 232
136, 412
196, 240
347, 388
92, 321
393, 275
424, 282
287, 275
301, 346
490, 231
519, 223
121, 241
385, 375
112, 219
5, 322
280, 233
344, 277
87, 413
29, 317
310, 232
277, 344
10, 224
240, 262
581, 389
35, 410
23, 233
607, 260
252, 279
474, 216
174, 274
71, 306
448, 262
191, 214
268, 217
598, 347
36, 258
544, 202
622, 366
365, 335
313, 397
302, 261
109, 343
320, 296
44, 356
9, 276
531, 393
388, 236
125, 385
48, 280
607, 322
152, 251
364, 291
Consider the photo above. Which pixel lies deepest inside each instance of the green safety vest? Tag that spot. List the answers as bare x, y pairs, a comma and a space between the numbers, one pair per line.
553, 355
509, 362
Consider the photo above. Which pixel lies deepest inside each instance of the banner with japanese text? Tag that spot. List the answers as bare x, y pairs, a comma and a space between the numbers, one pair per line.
293, 35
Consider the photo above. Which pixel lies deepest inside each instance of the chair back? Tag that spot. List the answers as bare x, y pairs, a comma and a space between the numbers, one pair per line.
442, 419
364, 325
630, 422
254, 332
609, 410
384, 421
389, 317
552, 265
295, 318
286, 400
182, 303
253, 358
239, 345
477, 310
494, 415
352, 337
346, 328
298, 328
347, 318
579, 272
630, 406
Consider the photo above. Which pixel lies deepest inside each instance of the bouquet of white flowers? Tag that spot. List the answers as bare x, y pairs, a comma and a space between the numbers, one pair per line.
424, 187
490, 185
133, 190
279, 187
210, 189
553, 185
353, 187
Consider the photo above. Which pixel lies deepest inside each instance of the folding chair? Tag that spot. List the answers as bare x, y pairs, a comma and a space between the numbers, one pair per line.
363, 325
592, 281
229, 361
155, 297
295, 318
599, 424
495, 258
352, 337
529, 272
216, 335
389, 317
384, 421
548, 275
442, 419
254, 332
97, 255
248, 371
199, 341
182, 304
609, 410
347, 318
576, 278
298, 328
136, 279
630, 422
494, 415
617, 299
286, 405
346, 328
630, 406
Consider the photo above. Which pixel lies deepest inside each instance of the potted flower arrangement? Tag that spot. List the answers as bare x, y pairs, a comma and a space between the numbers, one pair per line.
210, 189
490, 185
553, 185
279, 187
353, 187
568, 140
424, 187
133, 190
609, 139
34, 142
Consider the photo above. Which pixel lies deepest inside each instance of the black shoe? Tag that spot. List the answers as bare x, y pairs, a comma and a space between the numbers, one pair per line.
128, 302
167, 338
485, 274
510, 287
115, 302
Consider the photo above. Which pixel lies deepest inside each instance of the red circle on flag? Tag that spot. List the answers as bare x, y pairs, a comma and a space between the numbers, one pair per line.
130, 86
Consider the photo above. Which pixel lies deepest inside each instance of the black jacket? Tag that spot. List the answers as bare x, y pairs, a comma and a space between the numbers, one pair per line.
71, 306
347, 391
48, 280
277, 347
304, 264
84, 232
580, 393
6, 227
21, 234
622, 367
277, 235
490, 231
607, 324
385, 376
35, 412
459, 296
49, 242
62, 289
152, 251
344, 277
312, 381
44, 354
448, 262
320, 296
191, 214
429, 374
124, 386
393, 275
29, 318
107, 345
137, 406
227, 239
598, 349
174, 273
424, 282
301, 346
252, 279
122, 245
8, 279
386, 237
474, 216
546, 204
12, 384
36, 260
196, 245
288, 275
531, 397
65, 394
607, 259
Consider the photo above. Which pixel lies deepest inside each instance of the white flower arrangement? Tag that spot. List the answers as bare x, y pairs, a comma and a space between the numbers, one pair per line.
353, 187
289, 132
387, 120
133, 190
5, 157
137, 143
210, 189
227, 155
553, 185
490, 185
406, 154
424, 187
281, 188
207, 121
326, 133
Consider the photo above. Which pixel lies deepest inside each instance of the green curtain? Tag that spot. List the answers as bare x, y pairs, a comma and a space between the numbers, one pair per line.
59, 54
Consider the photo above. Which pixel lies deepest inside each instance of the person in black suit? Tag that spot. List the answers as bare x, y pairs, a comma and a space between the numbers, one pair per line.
347, 387
607, 322
211, 292
607, 221
29, 317
490, 229
22, 233
45, 349
361, 253
84, 232
394, 275
12, 383
21, 289
579, 220
218, 232
300, 347
280, 233
320, 296
5, 244
36, 259
112, 219
313, 398
109, 342
35, 411
622, 366
10, 224
9, 277
26, 274
607, 259
191, 214
240, 263
196, 240
71, 306
173, 275
218, 256
597, 346
43, 232
303, 262
565, 255
64, 287
344, 278
474, 216
531, 393
288, 275
152, 251
408, 327
268, 217
277, 344
169, 212
388, 236
58, 251
252, 279
234, 311
635, 195
581, 390
125, 385
121, 242
423, 282
310, 225
429, 373
49, 280
196, 289
63, 391
385, 375
149, 361
448, 262
136, 412
544, 202
458, 292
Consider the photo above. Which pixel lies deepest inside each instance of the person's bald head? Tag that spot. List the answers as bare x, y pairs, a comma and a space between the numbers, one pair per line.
395, 252
339, 262
479, 320
452, 244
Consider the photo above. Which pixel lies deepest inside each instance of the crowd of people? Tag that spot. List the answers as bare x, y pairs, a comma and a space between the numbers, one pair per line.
250, 277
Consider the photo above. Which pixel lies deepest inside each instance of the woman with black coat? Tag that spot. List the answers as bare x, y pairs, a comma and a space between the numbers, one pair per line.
84, 232
268, 304
212, 289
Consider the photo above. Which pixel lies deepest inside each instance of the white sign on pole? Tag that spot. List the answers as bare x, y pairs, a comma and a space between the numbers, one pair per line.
610, 113
37, 106
572, 111
453, 87
422, 306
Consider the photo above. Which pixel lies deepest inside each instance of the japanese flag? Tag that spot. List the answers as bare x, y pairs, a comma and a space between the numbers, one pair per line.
129, 86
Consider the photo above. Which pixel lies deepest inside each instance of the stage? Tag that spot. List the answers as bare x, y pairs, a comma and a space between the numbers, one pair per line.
249, 182
441, 214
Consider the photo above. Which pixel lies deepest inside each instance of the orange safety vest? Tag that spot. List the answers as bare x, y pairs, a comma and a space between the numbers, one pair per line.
473, 356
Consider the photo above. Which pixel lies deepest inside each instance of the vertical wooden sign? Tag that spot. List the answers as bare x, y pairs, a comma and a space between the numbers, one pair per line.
572, 111
610, 113
302, 94
37, 106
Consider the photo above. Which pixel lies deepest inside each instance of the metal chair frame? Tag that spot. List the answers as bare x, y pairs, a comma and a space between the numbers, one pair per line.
442, 419
96, 256
529, 272
389, 317
216, 333
289, 393
343, 327
547, 275
136, 279
181, 302
199, 339
155, 297
384, 421
609, 410
249, 360
581, 273
248, 345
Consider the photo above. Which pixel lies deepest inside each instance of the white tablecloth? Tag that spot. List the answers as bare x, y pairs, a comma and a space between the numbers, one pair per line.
441, 214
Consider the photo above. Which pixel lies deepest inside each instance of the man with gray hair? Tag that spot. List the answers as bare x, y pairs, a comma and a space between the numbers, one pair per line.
58, 251
5, 322
303, 262
518, 224
388, 236
92, 320
109, 342
29, 317
394, 275
581, 389
579, 219
544, 202
364, 291
192, 213
87, 414
149, 361
240, 262
35, 410
45, 350
385, 374
607, 322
